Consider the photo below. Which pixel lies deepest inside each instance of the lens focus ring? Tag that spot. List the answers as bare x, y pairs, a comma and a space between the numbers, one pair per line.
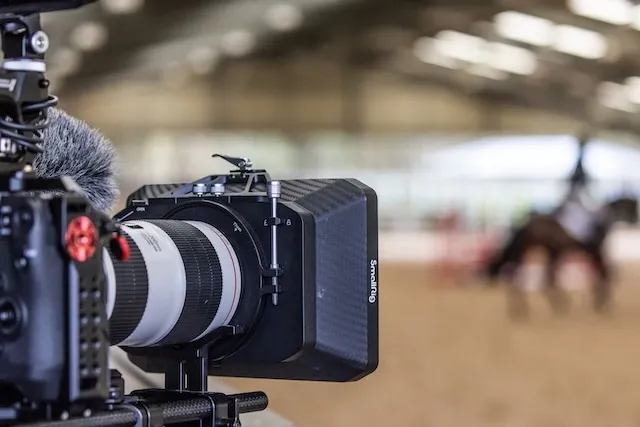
203, 278
132, 294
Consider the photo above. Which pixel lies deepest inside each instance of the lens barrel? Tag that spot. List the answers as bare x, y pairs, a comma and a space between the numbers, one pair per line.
182, 281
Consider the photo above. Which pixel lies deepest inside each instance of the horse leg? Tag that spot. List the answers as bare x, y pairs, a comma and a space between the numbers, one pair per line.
510, 253
602, 289
517, 304
513, 253
555, 294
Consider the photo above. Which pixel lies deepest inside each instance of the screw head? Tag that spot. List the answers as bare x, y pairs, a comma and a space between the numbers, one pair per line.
10, 317
218, 189
40, 42
199, 188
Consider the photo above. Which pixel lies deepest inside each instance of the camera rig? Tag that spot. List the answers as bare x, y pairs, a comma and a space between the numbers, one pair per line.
24, 101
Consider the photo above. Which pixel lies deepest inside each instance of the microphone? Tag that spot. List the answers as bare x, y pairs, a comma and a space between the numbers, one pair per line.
72, 148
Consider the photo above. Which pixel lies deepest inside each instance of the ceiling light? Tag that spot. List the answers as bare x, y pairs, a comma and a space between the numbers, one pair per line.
284, 17
238, 43
89, 36
635, 17
512, 59
476, 50
64, 61
122, 7
202, 60
426, 50
524, 28
580, 42
617, 12
633, 89
615, 96
486, 71
461, 46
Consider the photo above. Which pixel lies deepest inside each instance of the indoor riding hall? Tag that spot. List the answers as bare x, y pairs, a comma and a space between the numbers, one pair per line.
471, 121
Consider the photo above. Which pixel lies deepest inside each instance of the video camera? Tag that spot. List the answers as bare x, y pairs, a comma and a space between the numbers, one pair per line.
230, 275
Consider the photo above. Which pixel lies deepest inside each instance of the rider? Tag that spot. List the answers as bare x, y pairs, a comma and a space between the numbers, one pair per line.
578, 213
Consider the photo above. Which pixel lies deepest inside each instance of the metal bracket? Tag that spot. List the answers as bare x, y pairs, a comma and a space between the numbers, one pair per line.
271, 221
242, 163
274, 192
272, 272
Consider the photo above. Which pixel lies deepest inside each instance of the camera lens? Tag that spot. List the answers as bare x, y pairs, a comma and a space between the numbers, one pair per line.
182, 280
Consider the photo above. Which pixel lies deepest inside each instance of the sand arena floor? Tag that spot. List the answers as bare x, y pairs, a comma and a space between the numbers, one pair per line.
450, 358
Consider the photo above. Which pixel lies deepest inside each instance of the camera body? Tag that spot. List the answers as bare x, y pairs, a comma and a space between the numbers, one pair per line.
53, 324
325, 324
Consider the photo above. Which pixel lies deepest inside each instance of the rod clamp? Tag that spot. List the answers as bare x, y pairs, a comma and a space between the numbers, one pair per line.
274, 221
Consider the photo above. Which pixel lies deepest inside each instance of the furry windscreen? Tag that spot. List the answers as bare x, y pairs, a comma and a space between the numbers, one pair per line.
72, 148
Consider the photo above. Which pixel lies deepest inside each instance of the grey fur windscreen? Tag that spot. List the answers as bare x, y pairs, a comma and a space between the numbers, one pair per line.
72, 148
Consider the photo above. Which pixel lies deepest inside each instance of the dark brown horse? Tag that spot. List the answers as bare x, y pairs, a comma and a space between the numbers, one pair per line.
576, 225
546, 231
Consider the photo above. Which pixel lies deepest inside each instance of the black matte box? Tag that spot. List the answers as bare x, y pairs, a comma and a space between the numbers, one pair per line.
325, 327
346, 243
339, 290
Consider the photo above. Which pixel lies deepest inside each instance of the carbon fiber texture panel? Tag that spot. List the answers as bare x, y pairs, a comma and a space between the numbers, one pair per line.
342, 285
186, 410
151, 191
291, 190
300, 188
172, 412
295, 189
118, 418
251, 402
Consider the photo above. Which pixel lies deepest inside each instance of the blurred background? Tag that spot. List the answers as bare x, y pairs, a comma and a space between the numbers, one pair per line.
462, 115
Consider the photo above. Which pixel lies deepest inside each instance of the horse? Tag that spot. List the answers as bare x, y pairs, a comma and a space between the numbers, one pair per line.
572, 227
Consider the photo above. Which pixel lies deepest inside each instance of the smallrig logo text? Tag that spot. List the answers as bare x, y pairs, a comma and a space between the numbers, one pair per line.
373, 281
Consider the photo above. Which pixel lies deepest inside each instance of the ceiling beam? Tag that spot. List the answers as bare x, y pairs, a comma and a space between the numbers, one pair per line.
129, 34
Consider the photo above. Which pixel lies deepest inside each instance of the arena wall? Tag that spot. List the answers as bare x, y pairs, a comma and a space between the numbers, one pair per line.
430, 247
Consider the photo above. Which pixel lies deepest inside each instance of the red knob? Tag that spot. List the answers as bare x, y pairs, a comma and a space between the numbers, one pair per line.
120, 247
81, 238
